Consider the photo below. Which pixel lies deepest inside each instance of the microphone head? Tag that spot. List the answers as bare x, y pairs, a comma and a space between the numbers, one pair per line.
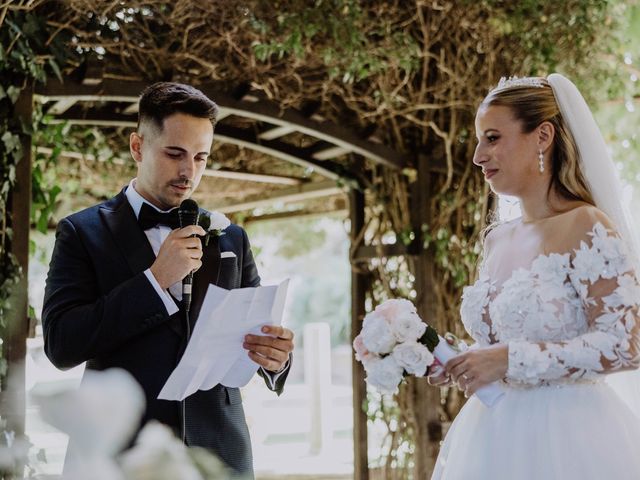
188, 213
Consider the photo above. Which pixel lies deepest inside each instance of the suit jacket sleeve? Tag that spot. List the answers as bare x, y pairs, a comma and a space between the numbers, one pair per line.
79, 321
250, 278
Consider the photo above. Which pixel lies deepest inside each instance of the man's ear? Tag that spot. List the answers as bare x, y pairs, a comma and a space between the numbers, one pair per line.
135, 146
546, 134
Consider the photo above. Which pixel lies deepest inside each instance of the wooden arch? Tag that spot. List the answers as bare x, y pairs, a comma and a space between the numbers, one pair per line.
114, 104
266, 128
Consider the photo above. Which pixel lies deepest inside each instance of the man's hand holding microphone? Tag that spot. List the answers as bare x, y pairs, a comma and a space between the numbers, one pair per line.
180, 255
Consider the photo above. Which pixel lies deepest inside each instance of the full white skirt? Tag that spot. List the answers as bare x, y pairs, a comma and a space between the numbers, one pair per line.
568, 432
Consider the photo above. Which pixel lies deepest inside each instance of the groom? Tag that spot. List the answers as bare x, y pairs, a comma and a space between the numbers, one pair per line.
114, 288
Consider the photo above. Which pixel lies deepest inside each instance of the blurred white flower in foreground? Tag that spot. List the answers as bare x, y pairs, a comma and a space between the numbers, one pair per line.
159, 455
101, 418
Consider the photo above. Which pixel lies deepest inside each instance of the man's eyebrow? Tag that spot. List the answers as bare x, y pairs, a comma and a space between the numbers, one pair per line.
180, 149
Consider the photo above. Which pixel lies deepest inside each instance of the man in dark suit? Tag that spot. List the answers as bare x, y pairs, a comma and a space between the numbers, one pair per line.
113, 294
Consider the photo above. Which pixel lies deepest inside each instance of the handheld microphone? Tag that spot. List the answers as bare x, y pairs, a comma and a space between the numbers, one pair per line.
188, 214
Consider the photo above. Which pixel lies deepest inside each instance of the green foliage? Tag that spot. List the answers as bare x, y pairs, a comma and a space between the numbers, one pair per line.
313, 253
26, 57
618, 114
336, 27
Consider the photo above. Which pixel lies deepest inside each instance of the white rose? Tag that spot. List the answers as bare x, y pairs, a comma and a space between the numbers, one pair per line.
377, 336
218, 221
414, 357
408, 327
384, 374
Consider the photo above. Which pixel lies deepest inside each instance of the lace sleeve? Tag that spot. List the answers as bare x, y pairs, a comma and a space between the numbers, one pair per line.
602, 275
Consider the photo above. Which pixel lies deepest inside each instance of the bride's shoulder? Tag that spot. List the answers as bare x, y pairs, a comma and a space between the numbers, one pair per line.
580, 227
583, 219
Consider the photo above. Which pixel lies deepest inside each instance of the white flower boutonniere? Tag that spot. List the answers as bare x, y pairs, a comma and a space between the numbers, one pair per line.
214, 223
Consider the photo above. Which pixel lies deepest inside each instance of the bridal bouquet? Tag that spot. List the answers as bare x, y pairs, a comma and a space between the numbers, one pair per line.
394, 342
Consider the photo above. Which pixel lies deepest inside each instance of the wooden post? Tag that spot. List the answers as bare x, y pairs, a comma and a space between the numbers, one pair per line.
358, 295
425, 399
15, 341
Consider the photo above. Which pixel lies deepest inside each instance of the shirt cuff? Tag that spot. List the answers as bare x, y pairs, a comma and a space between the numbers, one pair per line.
272, 377
169, 304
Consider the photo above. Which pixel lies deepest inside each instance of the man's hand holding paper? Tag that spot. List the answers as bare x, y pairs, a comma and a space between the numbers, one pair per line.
230, 323
270, 351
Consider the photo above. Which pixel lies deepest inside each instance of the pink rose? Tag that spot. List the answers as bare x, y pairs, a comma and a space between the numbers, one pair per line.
394, 308
362, 354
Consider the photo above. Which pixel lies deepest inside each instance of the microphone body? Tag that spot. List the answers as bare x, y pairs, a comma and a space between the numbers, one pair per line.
188, 214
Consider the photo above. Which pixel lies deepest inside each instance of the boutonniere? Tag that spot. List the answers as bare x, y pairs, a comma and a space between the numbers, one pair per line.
214, 223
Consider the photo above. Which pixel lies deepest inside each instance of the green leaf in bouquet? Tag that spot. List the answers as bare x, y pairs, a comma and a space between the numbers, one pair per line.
430, 338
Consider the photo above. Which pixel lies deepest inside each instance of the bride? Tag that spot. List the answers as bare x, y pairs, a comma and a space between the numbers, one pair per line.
556, 307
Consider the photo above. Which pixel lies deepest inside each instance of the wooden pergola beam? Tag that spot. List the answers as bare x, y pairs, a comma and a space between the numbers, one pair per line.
287, 195
276, 132
294, 214
242, 137
62, 106
260, 110
331, 152
209, 172
247, 138
252, 177
359, 286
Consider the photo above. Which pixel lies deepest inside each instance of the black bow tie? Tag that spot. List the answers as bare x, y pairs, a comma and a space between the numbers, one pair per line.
150, 217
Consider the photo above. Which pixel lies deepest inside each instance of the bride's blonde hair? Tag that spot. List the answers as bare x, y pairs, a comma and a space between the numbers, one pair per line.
533, 105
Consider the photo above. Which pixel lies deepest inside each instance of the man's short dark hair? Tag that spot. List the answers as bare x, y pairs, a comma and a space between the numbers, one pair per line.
163, 99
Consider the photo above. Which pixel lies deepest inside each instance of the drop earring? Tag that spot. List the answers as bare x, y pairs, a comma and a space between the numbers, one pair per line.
540, 161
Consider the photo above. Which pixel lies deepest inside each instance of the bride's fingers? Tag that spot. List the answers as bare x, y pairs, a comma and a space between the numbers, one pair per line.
471, 389
438, 377
454, 362
459, 370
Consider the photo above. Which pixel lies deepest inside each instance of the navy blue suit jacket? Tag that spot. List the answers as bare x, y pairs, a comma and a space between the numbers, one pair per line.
100, 308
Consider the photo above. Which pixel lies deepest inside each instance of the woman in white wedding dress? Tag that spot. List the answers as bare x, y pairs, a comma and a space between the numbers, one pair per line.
556, 307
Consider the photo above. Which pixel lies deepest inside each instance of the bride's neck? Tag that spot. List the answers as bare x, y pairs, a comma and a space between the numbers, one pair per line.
538, 205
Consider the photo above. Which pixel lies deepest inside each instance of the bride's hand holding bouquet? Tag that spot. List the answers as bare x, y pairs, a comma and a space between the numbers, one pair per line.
394, 342
473, 369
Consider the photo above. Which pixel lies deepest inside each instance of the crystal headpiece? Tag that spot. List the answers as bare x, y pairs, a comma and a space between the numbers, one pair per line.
511, 82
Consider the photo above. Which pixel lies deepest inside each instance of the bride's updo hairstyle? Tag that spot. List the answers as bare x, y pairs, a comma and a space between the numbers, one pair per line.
531, 105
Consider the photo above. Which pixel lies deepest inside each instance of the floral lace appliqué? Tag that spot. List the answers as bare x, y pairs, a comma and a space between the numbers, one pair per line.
568, 318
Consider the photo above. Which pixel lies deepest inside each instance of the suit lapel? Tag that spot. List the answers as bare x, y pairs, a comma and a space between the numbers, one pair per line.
209, 273
127, 234
133, 243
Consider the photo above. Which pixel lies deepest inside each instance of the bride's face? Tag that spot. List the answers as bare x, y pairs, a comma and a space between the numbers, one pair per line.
508, 157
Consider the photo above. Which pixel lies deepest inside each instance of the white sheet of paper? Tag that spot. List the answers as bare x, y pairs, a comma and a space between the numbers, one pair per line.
215, 354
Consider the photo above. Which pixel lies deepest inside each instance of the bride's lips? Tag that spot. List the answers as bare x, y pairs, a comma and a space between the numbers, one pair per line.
490, 172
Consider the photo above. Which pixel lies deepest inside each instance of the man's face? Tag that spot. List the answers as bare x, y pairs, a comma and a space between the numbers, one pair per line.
171, 161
